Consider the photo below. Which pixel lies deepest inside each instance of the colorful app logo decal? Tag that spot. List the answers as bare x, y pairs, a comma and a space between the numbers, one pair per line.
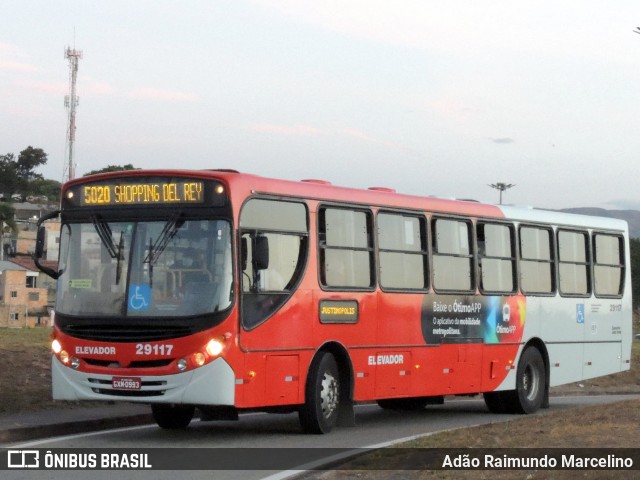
452, 319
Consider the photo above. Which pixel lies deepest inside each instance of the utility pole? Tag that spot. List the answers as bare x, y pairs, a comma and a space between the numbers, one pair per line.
71, 102
501, 186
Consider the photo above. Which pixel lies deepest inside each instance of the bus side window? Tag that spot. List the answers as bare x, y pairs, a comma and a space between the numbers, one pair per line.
346, 255
496, 257
536, 261
574, 263
403, 253
452, 255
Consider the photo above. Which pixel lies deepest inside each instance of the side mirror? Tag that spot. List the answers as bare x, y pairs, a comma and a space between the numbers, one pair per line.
40, 241
261, 253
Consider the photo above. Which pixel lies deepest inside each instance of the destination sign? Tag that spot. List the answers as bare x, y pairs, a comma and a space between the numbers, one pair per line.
139, 193
338, 311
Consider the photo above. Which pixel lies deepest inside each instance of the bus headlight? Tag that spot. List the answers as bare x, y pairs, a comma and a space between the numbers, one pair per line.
214, 347
199, 359
56, 347
182, 364
64, 357
75, 363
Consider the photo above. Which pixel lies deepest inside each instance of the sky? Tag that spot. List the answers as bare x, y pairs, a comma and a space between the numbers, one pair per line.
439, 97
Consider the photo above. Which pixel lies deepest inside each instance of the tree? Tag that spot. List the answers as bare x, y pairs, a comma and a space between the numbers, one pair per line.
112, 168
8, 175
28, 160
48, 188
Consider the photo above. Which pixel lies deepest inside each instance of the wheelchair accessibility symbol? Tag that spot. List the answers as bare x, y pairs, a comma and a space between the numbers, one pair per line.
139, 297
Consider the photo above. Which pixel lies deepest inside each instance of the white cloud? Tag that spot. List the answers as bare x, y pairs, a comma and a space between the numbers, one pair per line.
467, 26
152, 93
297, 130
12, 59
56, 88
17, 66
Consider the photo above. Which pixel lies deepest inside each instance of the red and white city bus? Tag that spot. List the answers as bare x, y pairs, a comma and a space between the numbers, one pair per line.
229, 292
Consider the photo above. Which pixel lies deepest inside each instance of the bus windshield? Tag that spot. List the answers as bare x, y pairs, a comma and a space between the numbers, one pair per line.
168, 268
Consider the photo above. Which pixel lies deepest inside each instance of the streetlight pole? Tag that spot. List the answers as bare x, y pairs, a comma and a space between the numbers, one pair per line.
501, 187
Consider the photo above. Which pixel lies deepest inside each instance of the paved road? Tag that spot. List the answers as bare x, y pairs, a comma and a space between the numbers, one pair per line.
374, 426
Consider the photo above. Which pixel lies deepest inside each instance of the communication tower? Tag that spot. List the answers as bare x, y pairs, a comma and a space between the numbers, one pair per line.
71, 102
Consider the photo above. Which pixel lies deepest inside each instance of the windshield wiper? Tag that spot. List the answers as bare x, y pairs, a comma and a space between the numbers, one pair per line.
120, 257
169, 231
151, 262
106, 237
155, 249
105, 234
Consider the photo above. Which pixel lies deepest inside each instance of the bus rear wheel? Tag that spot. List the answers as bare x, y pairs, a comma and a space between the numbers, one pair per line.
319, 413
172, 417
530, 393
530, 382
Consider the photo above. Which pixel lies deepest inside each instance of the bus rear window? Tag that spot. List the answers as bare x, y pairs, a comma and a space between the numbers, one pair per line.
608, 268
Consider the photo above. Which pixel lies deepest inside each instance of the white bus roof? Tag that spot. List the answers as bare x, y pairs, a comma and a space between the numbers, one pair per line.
563, 219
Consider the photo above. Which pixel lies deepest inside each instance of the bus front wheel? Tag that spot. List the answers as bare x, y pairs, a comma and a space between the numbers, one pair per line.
172, 417
319, 412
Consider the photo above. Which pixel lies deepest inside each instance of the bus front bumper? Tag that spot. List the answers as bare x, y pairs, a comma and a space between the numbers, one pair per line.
211, 384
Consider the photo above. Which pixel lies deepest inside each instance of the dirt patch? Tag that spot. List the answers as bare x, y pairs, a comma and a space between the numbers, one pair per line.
25, 382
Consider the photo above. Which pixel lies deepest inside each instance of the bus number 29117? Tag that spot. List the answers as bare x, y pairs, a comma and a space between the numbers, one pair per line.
153, 349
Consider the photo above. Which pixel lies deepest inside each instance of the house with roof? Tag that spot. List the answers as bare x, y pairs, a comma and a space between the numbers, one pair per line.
27, 296
24, 302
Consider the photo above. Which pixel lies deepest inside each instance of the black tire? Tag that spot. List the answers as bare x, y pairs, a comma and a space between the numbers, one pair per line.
319, 413
172, 417
531, 381
410, 403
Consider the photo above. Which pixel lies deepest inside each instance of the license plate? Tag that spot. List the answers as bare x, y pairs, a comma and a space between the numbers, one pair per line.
126, 383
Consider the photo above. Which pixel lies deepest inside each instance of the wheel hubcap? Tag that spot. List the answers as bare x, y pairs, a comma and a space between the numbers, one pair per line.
329, 395
531, 382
